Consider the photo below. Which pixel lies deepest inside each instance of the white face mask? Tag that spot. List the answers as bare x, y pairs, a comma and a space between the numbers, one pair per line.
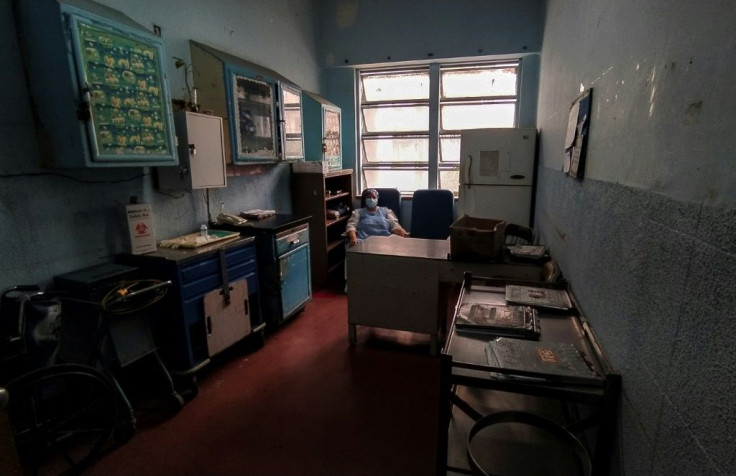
371, 202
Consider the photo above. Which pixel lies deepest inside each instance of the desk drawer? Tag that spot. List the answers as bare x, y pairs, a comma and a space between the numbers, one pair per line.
211, 265
291, 239
212, 281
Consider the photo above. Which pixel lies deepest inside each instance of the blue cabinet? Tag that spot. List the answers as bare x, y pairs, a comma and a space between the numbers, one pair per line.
262, 109
322, 131
284, 266
210, 273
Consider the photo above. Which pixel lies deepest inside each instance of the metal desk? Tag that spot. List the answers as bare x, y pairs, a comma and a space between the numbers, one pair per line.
464, 363
396, 283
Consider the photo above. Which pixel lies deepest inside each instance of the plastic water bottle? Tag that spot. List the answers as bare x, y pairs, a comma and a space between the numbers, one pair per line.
203, 231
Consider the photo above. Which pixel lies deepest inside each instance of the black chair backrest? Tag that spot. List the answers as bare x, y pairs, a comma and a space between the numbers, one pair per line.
387, 197
432, 213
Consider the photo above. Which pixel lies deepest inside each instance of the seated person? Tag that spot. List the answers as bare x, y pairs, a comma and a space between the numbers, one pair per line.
372, 221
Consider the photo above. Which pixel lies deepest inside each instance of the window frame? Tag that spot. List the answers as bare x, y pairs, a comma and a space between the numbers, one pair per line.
435, 165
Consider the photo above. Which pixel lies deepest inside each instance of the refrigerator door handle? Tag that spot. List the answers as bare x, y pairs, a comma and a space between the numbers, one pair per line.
468, 168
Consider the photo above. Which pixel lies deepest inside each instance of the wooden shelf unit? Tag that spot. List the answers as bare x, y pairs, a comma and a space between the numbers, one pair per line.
311, 196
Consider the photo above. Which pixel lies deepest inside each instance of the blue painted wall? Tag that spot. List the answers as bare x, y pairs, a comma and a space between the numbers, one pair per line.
360, 33
648, 237
50, 224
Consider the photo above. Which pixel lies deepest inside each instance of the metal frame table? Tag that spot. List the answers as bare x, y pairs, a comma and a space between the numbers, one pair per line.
464, 363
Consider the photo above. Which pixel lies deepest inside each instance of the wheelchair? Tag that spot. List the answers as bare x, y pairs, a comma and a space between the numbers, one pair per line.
62, 415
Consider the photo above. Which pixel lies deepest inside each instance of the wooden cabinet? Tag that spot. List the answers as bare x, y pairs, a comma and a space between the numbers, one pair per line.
201, 154
318, 195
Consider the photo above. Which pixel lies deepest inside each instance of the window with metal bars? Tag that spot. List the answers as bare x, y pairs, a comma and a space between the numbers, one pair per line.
411, 118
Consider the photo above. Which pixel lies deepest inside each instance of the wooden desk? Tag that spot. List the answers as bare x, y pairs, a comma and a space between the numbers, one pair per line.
465, 364
395, 283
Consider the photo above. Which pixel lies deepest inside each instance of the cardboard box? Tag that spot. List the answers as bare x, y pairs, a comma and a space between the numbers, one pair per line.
140, 228
476, 239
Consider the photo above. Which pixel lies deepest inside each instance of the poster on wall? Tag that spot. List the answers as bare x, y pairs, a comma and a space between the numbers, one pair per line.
576, 139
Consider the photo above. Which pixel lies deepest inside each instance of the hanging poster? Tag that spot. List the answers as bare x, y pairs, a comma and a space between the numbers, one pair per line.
576, 139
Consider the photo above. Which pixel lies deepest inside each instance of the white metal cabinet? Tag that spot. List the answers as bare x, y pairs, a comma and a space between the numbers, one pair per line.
201, 154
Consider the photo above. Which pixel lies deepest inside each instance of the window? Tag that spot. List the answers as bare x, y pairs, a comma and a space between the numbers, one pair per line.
411, 118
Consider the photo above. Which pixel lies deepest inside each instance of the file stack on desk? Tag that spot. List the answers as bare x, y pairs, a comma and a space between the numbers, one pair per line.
511, 321
542, 362
540, 297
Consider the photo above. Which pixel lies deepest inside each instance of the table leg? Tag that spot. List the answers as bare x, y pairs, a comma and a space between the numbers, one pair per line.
352, 337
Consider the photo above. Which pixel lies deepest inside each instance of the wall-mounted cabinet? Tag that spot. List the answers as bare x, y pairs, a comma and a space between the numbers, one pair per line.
322, 131
201, 147
98, 86
261, 109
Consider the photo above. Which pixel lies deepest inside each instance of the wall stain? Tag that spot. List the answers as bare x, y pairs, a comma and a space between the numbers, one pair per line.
693, 112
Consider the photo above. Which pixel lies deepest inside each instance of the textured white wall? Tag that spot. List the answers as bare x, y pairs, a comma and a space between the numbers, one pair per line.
663, 98
648, 238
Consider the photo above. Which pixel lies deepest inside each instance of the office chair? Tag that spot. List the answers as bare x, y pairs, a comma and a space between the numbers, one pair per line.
387, 197
432, 213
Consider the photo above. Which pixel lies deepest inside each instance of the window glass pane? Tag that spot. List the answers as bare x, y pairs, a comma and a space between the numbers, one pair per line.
396, 119
396, 149
449, 179
476, 116
478, 82
450, 149
393, 86
405, 180
294, 147
293, 121
291, 98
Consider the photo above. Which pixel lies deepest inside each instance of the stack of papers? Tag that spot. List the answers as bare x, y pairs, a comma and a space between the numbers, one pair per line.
540, 297
527, 251
513, 321
540, 361
195, 240
257, 214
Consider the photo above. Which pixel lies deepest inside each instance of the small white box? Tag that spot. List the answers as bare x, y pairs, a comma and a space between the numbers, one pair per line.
140, 228
310, 167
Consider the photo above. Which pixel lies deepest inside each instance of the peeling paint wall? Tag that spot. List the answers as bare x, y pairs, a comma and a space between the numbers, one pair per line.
50, 225
648, 238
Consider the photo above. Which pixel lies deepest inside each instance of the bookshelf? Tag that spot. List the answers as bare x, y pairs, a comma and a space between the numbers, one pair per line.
314, 194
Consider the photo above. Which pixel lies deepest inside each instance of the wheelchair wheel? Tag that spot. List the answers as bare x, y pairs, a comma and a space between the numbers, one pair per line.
61, 417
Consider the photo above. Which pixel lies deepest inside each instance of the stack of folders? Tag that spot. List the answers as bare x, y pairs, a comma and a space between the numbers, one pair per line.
541, 362
499, 320
538, 297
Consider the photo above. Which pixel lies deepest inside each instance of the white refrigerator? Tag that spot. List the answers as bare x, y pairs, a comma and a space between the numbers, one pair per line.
497, 174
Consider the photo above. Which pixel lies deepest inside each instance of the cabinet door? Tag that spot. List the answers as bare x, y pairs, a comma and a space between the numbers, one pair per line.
227, 319
296, 287
332, 139
291, 132
206, 151
254, 125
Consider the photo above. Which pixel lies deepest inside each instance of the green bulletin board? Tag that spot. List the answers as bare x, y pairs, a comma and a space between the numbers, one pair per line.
128, 110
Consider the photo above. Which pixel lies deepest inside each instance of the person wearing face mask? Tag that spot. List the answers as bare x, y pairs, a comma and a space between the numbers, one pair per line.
372, 221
